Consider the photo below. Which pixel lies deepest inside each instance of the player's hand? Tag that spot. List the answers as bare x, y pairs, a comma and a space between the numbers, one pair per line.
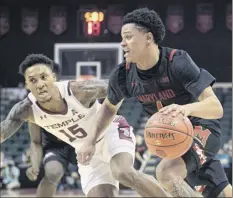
85, 153
175, 110
32, 174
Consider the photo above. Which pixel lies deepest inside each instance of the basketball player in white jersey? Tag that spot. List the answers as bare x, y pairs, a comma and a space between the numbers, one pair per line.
67, 110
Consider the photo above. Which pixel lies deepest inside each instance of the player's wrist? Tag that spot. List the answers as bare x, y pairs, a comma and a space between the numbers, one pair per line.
188, 109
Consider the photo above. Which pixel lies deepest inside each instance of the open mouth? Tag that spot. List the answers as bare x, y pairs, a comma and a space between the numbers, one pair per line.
43, 93
126, 53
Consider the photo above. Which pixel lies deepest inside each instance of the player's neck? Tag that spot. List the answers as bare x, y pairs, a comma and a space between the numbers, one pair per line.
56, 104
149, 58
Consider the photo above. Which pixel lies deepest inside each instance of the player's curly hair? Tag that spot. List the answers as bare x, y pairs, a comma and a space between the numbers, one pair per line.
147, 19
34, 59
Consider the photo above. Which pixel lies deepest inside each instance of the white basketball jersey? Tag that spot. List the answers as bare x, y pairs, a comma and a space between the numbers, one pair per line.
74, 125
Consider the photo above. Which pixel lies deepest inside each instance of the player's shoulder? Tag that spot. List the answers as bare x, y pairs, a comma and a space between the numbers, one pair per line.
178, 55
22, 109
119, 72
174, 54
25, 103
120, 68
63, 82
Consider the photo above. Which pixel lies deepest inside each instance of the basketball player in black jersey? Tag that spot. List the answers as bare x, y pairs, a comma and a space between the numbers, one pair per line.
56, 156
154, 74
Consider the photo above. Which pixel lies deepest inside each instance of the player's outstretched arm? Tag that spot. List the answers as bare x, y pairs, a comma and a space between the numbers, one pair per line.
16, 117
90, 89
105, 116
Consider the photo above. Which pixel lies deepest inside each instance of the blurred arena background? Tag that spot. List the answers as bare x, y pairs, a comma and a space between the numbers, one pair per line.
84, 38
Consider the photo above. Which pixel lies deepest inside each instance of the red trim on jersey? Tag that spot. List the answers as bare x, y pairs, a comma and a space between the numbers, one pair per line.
159, 105
202, 188
172, 54
127, 65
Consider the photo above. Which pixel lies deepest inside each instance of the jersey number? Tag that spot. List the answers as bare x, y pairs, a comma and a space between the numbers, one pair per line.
75, 130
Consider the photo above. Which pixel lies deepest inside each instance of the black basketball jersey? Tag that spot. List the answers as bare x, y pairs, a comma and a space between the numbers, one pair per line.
174, 79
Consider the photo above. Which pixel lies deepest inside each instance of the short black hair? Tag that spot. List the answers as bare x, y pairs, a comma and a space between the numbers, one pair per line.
34, 59
57, 70
149, 20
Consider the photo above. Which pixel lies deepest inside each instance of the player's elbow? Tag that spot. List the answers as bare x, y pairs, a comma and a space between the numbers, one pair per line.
218, 108
220, 111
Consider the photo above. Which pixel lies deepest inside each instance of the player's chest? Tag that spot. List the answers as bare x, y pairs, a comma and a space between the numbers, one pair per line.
59, 121
154, 89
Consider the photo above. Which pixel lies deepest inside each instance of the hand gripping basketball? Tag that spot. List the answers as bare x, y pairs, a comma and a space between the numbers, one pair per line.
167, 136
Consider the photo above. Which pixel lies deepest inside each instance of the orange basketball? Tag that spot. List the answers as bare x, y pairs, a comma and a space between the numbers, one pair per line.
168, 137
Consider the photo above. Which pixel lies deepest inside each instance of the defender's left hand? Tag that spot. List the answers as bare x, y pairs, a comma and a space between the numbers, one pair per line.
174, 110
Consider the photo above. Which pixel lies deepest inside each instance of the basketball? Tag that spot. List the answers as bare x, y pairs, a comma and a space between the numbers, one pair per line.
168, 137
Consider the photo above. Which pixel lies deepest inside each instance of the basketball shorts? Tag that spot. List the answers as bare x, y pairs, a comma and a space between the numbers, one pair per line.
62, 152
204, 172
118, 138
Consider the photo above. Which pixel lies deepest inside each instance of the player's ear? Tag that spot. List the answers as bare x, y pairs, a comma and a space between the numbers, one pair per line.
54, 77
26, 85
149, 38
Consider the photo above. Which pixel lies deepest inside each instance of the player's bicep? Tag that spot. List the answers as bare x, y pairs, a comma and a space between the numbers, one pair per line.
90, 89
35, 133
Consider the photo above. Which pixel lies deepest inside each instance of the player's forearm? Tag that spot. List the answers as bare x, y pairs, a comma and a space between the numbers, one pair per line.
36, 155
104, 118
209, 108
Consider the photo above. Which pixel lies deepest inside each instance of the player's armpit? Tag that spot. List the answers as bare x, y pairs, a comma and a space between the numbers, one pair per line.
113, 107
16, 117
90, 89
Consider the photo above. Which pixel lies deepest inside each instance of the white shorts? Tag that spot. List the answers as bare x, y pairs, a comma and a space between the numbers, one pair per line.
98, 171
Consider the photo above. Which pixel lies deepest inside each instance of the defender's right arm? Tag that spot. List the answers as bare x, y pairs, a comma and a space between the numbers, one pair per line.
16, 117
115, 96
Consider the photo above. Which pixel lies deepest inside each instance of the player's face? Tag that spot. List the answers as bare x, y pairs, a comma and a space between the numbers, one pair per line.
40, 81
133, 42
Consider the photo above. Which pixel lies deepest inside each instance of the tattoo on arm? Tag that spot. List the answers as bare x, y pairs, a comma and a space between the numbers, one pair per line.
16, 117
90, 89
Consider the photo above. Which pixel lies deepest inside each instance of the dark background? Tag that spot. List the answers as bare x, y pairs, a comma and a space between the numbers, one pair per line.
211, 50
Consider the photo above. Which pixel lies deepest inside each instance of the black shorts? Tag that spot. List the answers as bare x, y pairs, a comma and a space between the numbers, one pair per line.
62, 152
203, 170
